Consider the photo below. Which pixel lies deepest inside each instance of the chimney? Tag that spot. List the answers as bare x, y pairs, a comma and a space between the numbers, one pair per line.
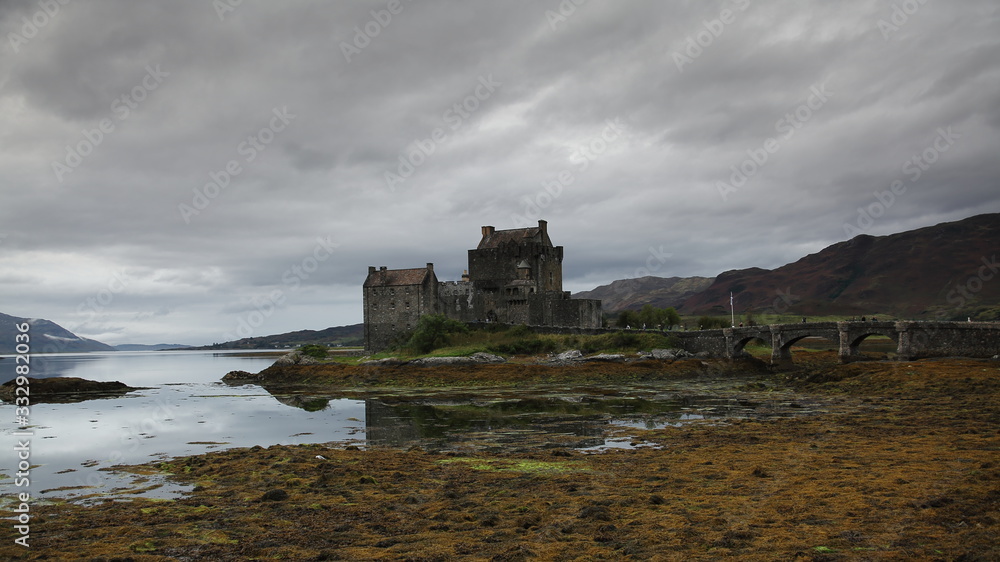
430, 266
488, 231
371, 269
383, 268
543, 226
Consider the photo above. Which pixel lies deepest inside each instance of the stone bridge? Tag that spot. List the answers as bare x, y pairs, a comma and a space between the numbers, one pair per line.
914, 340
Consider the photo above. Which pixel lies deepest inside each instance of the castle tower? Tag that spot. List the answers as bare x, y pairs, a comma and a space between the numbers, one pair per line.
514, 277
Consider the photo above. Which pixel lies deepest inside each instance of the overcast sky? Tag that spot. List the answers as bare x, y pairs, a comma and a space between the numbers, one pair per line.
190, 171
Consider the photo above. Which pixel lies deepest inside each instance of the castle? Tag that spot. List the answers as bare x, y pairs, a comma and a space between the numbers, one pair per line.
514, 277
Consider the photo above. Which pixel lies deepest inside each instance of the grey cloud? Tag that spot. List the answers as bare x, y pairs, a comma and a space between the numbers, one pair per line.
324, 174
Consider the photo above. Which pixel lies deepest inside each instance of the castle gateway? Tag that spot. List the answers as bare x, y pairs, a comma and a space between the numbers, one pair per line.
514, 277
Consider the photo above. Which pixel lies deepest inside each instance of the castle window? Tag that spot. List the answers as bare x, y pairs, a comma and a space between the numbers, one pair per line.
407, 305
392, 305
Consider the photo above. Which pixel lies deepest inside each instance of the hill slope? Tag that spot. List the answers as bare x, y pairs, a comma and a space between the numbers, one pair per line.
661, 292
45, 337
352, 335
946, 271
150, 347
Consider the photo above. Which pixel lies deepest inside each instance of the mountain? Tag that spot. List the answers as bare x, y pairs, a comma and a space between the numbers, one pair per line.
45, 336
149, 347
632, 294
946, 271
352, 335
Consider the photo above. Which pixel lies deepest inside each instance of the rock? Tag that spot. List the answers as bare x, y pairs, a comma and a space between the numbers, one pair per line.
387, 362
571, 355
64, 389
290, 358
483, 357
474, 359
295, 358
703, 355
606, 357
668, 354
435, 361
241, 376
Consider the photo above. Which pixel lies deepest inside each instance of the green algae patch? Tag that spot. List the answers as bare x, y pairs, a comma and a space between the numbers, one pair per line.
170, 509
208, 536
143, 547
526, 466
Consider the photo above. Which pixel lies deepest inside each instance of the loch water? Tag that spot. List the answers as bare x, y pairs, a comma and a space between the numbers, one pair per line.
183, 408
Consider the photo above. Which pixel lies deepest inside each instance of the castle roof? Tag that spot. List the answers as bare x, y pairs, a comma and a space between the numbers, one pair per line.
495, 238
397, 277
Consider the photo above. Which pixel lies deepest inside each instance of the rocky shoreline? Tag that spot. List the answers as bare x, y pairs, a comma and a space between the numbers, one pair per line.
488, 369
65, 389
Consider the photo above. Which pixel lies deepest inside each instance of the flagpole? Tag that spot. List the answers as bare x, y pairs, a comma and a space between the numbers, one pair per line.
732, 310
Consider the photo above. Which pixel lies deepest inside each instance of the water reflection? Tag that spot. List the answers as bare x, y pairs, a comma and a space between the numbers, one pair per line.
531, 418
183, 409
139, 368
71, 443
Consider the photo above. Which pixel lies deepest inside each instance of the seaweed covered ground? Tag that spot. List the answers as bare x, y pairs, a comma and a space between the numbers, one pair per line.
907, 469
527, 370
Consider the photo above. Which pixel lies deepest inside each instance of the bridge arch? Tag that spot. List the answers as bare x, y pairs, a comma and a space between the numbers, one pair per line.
852, 334
739, 344
738, 338
855, 344
784, 336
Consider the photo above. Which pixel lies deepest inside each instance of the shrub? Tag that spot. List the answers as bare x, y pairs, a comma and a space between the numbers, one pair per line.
432, 332
711, 322
650, 317
314, 350
520, 331
623, 340
524, 346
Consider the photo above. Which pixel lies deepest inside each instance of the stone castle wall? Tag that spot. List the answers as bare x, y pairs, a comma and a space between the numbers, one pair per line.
514, 277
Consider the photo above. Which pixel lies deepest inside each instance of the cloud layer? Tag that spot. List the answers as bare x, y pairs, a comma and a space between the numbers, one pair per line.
189, 171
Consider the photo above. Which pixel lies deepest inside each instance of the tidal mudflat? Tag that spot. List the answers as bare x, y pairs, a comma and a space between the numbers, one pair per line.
891, 461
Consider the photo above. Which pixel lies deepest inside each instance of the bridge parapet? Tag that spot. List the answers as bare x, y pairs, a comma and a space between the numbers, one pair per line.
713, 342
946, 339
914, 340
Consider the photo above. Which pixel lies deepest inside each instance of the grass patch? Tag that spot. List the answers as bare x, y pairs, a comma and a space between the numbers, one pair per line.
521, 340
517, 342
